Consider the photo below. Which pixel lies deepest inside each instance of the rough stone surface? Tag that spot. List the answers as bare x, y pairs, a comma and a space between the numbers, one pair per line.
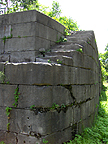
52, 89
43, 96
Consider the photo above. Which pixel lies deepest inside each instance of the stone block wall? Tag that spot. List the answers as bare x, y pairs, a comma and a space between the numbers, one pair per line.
54, 95
23, 34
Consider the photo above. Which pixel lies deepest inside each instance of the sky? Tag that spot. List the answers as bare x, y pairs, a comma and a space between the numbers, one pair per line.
89, 15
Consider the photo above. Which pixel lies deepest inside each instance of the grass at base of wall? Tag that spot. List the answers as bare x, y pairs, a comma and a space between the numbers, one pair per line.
98, 134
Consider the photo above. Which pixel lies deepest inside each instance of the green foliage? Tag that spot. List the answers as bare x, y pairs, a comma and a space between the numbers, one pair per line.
45, 141
8, 125
8, 37
32, 107
55, 10
80, 50
2, 76
49, 61
62, 39
2, 142
54, 106
66, 32
58, 61
68, 23
8, 109
16, 97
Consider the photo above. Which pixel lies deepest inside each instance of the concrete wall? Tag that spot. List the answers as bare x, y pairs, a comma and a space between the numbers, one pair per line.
24, 33
61, 83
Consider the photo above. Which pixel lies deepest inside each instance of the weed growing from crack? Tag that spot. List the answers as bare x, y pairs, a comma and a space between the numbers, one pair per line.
62, 39
49, 61
59, 62
8, 126
80, 50
8, 109
16, 96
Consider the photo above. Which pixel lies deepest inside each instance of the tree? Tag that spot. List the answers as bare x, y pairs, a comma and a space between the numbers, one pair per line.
55, 10
104, 63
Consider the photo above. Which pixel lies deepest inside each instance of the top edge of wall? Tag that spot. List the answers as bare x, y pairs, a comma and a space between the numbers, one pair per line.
26, 16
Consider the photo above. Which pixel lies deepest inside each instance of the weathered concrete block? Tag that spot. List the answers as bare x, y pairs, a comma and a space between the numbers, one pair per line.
4, 57
20, 44
82, 76
51, 34
26, 121
87, 108
20, 17
29, 73
42, 43
86, 123
7, 95
83, 111
66, 60
2, 66
39, 73
44, 96
5, 30
1, 46
27, 56
41, 30
76, 114
60, 137
89, 63
24, 29
79, 92
3, 119
88, 92
29, 139
7, 137
78, 59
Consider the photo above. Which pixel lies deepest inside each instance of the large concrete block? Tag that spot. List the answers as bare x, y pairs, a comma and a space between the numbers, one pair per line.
3, 119
20, 44
79, 93
83, 111
76, 114
78, 59
42, 43
4, 57
1, 46
24, 29
41, 30
29, 139
58, 137
39, 73
86, 123
8, 137
26, 56
89, 63
66, 60
20, 17
88, 92
26, 121
44, 96
2, 66
51, 34
82, 76
1, 31
42, 18
7, 95
87, 108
